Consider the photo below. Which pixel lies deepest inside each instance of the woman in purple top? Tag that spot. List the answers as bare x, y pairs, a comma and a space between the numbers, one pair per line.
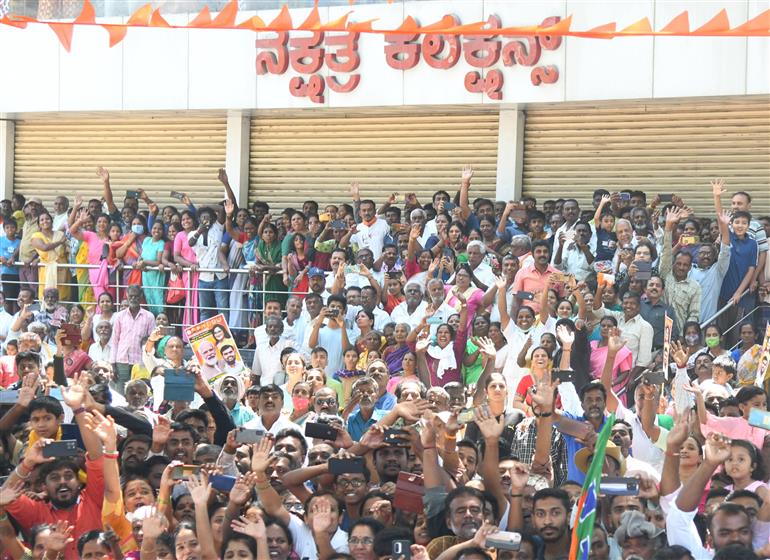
439, 361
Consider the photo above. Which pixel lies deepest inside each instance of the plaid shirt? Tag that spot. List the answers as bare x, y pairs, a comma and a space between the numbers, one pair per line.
523, 448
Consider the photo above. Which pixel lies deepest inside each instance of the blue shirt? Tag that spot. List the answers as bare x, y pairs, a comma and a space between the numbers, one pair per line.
7, 248
743, 254
241, 414
573, 446
357, 426
606, 243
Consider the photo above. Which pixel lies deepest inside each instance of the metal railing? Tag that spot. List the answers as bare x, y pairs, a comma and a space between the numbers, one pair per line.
118, 287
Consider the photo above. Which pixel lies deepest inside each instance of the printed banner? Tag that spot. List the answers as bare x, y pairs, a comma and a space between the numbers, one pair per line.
215, 348
668, 327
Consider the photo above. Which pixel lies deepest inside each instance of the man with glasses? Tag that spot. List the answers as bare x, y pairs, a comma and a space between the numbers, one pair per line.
325, 401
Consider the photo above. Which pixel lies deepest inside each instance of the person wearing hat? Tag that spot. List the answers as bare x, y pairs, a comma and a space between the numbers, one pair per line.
614, 462
317, 282
231, 389
638, 537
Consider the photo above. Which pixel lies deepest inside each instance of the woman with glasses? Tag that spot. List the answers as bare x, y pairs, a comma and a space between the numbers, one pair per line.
361, 539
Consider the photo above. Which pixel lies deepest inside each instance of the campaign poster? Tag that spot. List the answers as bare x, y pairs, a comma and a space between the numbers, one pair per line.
214, 348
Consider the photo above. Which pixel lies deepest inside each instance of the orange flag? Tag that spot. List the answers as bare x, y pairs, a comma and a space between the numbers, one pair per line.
156, 20
339, 23
640, 27
446, 22
117, 33
679, 25
759, 25
718, 24
606, 31
87, 14
64, 33
203, 19
141, 16
255, 23
226, 18
361, 25
16, 22
409, 25
282, 21
561, 26
313, 20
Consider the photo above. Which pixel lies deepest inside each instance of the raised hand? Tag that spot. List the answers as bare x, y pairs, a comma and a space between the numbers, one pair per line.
500, 282
486, 346
255, 529
260, 457
103, 174
222, 175
28, 389
423, 341
74, 395
489, 426
154, 525
566, 336
717, 449
59, 537
322, 517
411, 411
519, 477
484, 531
614, 342
229, 208
467, 173
199, 488
679, 354
355, 190
240, 493
161, 432
34, 454
9, 493
718, 187
374, 437
104, 428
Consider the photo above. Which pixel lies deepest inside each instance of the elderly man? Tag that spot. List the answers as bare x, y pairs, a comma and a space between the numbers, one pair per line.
230, 389
412, 309
482, 272
102, 349
130, 326
682, 292
638, 537
267, 354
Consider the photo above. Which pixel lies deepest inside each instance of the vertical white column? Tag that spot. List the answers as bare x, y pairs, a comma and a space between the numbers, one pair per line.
7, 136
510, 154
237, 155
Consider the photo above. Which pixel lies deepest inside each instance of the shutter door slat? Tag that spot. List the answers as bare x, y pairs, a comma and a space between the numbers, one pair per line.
653, 147
158, 154
316, 157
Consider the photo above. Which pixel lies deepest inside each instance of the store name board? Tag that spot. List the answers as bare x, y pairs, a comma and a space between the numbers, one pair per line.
339, 52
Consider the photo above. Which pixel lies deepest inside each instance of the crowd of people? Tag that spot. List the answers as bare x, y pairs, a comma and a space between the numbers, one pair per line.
428, 378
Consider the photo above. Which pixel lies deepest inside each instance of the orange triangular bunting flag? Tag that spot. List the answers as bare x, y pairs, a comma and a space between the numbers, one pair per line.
761, 23
282, 21
117, 33
445, 23
339, 23
561, 26
87, 14
203, 19
156, 20
254, 23
477, 26
5, 20
361, 25
640, 27
606, 29
408, 25
64, 33
679, 25
141, 16
226, 18
313, 20
718, 24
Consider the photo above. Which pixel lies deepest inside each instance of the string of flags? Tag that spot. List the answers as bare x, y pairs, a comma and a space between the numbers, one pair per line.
718, 26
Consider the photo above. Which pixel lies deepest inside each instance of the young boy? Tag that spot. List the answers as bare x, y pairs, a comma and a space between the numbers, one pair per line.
723, 371
606, 240
9, 254
743, 261
45, 418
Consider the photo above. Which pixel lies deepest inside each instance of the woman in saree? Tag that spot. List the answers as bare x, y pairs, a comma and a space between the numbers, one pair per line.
152, 255
624, 360
268, 259
95, 241
241, 232
185, 256
51, 247
130, 251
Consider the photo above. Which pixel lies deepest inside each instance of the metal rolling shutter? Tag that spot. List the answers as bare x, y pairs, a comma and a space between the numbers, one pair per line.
294, 159
159, 154
654, 147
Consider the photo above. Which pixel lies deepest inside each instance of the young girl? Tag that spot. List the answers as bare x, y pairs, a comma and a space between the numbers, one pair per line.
744, 467
394, 292
349, 372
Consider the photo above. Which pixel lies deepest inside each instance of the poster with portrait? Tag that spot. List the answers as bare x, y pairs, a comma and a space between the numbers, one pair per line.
764, 359
214, 348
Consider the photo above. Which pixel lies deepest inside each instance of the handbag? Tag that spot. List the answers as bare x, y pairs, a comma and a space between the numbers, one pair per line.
175, 292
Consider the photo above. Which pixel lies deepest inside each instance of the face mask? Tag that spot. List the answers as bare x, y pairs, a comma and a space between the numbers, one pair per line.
137, 229
712, 341
691, 339
300, 403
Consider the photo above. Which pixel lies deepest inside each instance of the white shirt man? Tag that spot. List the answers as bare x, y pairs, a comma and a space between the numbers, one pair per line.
371, 236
